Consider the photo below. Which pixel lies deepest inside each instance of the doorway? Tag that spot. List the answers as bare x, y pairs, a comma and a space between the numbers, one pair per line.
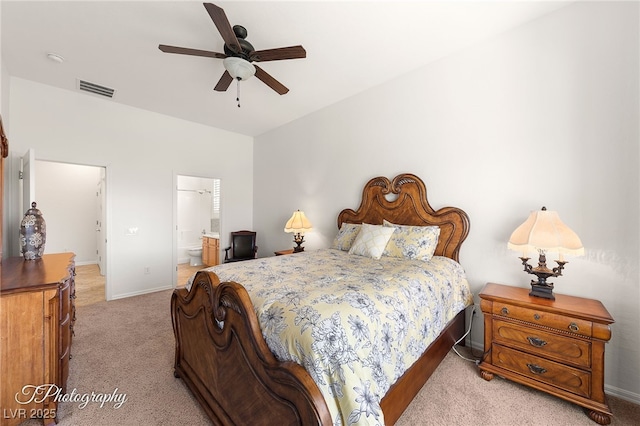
72, 199
197, 201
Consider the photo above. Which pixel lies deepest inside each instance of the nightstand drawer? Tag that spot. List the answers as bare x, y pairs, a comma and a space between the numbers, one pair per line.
529, 339
543, 370
542, 318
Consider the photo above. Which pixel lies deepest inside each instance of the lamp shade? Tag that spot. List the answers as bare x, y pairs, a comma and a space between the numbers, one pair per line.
239, 68
543, 230
298, 223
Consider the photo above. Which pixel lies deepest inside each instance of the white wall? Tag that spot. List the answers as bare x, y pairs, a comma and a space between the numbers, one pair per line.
66, 197
4, 111
4, 81
544, 115
142, 152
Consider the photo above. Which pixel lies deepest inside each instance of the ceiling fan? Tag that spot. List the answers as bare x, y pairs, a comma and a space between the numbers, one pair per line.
239, 54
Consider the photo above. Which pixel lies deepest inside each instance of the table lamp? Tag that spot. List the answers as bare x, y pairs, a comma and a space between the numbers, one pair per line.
298, 224
543, 231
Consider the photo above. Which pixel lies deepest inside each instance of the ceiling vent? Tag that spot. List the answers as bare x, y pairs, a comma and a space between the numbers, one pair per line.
95, 89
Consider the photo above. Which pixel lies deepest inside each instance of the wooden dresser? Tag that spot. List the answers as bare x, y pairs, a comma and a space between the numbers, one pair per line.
210, 251
37, 314
556, 346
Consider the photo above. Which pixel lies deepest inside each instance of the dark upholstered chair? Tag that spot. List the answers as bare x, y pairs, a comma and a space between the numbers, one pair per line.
243, 247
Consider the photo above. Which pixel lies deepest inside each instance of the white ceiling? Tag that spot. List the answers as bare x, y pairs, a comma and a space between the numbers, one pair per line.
351, 46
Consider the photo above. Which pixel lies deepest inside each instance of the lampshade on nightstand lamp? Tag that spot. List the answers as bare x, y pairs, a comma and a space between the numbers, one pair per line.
298, 225
543, 231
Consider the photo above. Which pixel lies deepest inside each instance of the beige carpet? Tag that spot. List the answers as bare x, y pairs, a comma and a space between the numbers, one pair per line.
127, 347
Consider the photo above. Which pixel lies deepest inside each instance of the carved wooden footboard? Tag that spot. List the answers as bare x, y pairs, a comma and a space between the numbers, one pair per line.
229, 368
237, 380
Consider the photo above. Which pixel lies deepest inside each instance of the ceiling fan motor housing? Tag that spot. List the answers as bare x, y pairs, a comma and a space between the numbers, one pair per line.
247, 48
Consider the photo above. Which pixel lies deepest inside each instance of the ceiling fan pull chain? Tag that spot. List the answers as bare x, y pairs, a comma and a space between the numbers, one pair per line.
238, 92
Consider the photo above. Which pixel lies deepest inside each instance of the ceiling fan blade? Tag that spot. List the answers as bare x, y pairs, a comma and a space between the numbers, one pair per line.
188, 51
291, 52
270, 81
224, 27
224, 82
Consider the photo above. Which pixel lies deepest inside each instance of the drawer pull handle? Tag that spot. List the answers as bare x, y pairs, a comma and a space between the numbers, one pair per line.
536, 316
536, 369
538, 343
505, 311
574, 327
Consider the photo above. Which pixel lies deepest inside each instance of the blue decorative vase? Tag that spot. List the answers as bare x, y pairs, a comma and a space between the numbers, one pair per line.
33, 234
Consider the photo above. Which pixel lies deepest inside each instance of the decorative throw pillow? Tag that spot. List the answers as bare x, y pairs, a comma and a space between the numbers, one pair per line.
346, 236
412, 242
371, 240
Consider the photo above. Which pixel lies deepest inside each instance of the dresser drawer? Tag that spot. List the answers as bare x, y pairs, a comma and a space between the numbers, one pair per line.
65, 336
65, 298
538, 342
542, 318
543, 370
64, 372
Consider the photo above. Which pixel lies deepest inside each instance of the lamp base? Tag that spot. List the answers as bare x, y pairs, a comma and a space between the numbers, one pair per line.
298, 239
542, 288
544, 291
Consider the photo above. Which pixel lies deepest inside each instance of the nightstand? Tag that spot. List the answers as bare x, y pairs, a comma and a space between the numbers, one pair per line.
556, 346
283, 252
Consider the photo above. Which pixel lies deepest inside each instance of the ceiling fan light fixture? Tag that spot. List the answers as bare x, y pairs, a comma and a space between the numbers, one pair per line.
239, 68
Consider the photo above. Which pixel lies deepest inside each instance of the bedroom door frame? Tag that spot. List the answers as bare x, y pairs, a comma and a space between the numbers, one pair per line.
105, 210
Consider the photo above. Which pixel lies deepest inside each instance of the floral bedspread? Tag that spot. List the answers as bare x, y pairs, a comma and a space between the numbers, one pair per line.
356, 324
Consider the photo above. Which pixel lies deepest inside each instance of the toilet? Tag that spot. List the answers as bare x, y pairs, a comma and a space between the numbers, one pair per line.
195, 256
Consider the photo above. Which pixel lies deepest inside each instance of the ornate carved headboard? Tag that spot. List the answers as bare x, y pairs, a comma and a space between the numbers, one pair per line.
407, 205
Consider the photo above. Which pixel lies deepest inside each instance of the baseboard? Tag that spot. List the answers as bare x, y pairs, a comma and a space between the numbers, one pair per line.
139, 293
86, 262
476, 346
622, 394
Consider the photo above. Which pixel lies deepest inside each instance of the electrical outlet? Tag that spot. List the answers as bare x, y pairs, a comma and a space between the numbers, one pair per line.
147, 270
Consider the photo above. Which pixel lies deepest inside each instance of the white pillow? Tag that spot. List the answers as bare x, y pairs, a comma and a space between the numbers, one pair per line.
412, 242
371, 240
346, 236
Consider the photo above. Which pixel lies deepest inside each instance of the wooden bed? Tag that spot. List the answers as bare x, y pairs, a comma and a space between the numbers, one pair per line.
224, 360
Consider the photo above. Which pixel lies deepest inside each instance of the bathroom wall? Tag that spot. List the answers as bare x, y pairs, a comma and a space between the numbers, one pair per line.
195, 212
